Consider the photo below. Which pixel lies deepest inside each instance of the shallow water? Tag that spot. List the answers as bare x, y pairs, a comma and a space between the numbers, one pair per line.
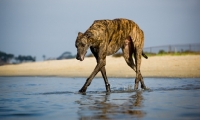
58, 98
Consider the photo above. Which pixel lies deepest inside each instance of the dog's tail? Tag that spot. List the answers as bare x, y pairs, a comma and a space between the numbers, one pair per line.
145, 56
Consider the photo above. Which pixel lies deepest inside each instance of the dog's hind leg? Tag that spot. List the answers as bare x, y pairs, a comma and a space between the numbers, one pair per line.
128, 50
137, 55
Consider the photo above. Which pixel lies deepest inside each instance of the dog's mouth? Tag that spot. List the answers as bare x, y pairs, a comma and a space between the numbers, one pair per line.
80, 57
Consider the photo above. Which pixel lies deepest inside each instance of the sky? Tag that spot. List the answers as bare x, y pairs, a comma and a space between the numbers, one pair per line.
50, 27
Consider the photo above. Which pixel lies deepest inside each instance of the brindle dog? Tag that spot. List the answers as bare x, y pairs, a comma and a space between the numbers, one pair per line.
106, 37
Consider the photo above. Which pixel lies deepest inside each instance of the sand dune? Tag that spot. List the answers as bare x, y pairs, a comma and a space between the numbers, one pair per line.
158, 66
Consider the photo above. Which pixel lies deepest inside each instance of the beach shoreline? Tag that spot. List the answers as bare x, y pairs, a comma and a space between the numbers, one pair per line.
187, 66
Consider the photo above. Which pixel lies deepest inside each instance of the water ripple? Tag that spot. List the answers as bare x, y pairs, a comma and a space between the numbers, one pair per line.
56, 92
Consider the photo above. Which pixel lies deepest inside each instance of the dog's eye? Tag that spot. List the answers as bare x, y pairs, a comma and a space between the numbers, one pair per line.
82, 45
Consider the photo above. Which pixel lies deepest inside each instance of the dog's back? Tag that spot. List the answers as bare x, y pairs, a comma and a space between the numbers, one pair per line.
114, 32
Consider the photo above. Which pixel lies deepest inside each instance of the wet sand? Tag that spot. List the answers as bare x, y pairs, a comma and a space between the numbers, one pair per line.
156, 66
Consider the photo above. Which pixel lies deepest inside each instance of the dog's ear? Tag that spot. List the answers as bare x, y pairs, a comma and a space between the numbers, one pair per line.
89, 34
80, 33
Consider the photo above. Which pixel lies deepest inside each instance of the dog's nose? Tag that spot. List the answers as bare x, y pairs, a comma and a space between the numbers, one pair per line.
77, 57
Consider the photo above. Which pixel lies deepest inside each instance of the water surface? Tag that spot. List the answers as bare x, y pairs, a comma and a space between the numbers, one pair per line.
58, 98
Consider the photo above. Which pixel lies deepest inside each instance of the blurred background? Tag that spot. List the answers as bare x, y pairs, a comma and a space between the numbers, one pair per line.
36, 30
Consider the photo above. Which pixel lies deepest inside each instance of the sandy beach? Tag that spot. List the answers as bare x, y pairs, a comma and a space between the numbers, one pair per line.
155, 66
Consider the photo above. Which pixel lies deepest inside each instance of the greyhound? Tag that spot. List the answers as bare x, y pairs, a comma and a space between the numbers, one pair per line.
106, 37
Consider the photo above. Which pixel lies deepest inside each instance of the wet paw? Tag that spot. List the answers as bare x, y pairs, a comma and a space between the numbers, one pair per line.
108, 92
143, 87
82, 91
135, 87
108, 88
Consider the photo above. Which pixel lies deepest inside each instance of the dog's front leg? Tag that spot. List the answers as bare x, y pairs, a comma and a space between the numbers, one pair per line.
103, 72
103, 69
98, 67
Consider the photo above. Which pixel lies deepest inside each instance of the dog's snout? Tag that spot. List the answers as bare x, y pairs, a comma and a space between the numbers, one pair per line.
79, 57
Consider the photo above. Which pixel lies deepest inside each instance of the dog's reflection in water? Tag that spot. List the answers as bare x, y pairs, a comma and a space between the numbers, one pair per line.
105, 107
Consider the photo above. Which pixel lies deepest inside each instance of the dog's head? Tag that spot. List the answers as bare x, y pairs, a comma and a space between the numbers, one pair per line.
82, 44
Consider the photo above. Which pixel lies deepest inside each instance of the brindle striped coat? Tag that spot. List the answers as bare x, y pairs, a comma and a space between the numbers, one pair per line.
106, 37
